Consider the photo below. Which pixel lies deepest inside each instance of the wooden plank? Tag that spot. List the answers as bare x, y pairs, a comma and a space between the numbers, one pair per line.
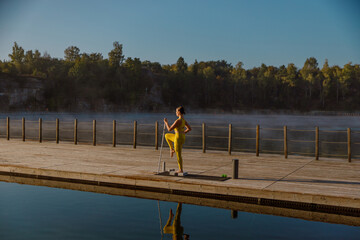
302, 175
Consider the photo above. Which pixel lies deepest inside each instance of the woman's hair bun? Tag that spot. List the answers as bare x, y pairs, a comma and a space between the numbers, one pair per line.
181, 109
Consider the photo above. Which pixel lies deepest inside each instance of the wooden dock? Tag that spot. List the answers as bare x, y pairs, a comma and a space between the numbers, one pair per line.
327, 186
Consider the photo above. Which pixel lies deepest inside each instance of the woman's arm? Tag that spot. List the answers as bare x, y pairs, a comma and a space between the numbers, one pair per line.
175, 124
188, 128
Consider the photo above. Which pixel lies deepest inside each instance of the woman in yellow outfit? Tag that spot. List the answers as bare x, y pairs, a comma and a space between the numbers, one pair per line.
177, 140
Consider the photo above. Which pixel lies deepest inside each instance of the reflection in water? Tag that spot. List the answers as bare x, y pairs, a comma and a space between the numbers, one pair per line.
175, 228
34, 212
335, 216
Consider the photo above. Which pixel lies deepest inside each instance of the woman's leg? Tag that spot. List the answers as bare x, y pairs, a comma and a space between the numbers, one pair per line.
179, 158
178, 229
169, 228
178, 215
179, 141
170, 138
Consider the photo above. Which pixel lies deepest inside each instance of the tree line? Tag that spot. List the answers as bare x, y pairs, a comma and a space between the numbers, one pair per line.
129, 83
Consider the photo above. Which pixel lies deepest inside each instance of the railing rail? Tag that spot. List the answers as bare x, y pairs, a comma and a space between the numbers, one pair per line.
232, 138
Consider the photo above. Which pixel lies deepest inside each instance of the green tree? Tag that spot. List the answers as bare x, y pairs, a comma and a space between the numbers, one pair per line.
309, 73
90, 79
96, 57
292, 85
29, 61
29, 56
71, 53
337, 72
37, 64
37, 54
153, 67
291, 76
194, 68
17, 55
239, 78
209, 76
181, 65
116, 56
329, 84
8, 68
350, 85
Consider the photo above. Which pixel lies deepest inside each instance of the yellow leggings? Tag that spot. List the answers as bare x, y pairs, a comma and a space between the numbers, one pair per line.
176, 229
176, 142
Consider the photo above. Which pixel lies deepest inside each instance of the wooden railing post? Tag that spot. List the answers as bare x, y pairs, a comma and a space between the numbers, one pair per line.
230, 139
349, 144
75, 131
285, 142
156, 135
23, 129
135, 133
8, 128
257, 140
94, 132
235, 167
40, 130
114, 133
317, 143
203, 138
57, 130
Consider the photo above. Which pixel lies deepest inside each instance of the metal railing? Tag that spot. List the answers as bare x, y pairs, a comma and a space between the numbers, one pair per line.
204, 137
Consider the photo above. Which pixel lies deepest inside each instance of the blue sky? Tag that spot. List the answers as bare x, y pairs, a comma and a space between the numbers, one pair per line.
273, 32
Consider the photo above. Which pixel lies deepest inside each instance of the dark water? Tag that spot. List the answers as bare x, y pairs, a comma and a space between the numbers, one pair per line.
301, 130
34, 212
266, 120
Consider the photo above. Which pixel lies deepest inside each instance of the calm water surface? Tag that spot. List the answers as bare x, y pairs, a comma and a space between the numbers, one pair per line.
333, 130
34, 212
265, 120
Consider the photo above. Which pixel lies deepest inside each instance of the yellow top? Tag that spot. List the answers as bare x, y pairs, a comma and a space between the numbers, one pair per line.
180, 129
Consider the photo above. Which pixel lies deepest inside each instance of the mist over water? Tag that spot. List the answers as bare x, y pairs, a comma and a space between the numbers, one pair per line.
300, 130
268, 120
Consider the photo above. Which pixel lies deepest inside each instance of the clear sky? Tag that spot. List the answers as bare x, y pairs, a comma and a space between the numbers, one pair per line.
273, 32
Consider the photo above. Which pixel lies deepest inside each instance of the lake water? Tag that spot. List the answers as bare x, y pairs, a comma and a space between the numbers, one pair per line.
267, 120
301, 130
37, 212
